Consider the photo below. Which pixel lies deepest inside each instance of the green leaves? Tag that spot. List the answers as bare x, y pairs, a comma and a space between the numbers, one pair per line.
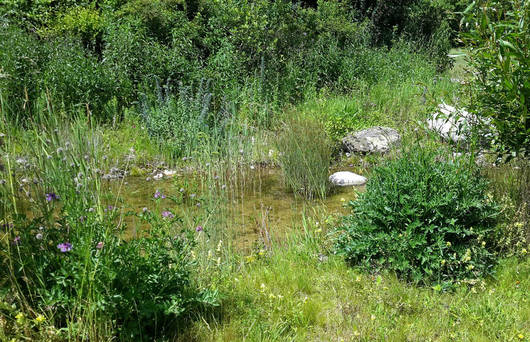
419, 211
498, 42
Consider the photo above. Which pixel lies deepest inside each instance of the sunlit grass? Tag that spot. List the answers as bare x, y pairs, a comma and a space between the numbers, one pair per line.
296, 294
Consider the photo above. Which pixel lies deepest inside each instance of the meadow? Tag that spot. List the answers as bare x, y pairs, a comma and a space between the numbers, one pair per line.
164, 172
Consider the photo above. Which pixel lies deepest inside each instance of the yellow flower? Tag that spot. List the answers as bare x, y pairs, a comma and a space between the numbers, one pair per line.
343, 199
40, 318
521, 336
20, 318
524, 251
250, 258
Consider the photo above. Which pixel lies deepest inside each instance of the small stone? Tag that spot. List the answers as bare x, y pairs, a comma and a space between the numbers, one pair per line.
346, 178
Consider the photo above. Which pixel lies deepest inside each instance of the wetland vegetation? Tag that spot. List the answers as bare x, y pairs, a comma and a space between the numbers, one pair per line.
164, 171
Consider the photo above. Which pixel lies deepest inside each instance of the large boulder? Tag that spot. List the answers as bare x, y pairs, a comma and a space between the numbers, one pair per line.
374, 139
346, 178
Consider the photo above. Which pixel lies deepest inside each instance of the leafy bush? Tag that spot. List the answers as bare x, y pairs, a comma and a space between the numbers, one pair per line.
151, 283
21, 61
305, 156
77, 79
498, 39
423, 216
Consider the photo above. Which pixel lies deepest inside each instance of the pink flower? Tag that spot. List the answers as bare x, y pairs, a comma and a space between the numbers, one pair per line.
167, 214
100, 245
158, 194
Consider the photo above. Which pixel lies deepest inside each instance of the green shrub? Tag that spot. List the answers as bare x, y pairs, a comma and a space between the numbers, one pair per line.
21, 61
77, 79
305, 156
498, 39
424, 216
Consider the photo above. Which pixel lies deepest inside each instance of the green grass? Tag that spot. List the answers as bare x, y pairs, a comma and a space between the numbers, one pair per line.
291, 295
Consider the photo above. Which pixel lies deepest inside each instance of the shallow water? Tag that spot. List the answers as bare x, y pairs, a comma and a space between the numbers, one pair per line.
248, 209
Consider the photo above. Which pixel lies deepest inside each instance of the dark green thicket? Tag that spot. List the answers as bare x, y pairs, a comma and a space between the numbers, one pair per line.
425, 216
98, 54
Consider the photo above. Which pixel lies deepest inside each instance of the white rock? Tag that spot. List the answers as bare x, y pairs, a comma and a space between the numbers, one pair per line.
169, 173
451, 123
346, 178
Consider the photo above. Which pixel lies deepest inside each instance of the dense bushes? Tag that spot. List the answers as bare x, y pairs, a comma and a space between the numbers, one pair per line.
499, 37
424, 216
99, 52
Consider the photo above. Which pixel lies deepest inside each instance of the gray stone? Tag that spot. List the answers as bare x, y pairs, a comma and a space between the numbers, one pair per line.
346, 178
374, 139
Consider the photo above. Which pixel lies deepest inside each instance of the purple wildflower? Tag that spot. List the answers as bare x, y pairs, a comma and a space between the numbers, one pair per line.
6, 226
51, 196
100, 245
65, 247
16, 240
167, 214
199, 229
158, 194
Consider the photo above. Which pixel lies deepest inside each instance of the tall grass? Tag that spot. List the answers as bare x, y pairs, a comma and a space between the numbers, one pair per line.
68, 272
305, 157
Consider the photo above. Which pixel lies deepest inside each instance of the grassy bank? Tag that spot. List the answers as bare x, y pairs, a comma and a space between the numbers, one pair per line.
296, 292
